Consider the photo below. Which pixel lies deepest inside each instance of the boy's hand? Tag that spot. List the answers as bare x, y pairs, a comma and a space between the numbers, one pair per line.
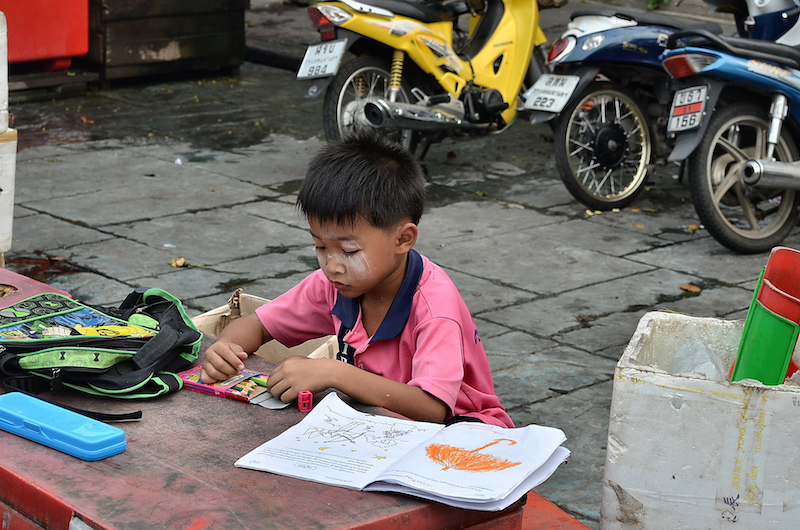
296, 373
222, 360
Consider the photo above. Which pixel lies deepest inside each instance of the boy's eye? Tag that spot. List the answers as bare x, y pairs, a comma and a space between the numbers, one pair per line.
349, 252
319, 249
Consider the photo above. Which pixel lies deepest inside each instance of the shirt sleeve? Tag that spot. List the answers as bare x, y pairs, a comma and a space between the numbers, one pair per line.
438, 364
301, 313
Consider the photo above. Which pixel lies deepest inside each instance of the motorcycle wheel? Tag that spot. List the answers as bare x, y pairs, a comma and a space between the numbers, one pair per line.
358, 82
742, 218
602, 147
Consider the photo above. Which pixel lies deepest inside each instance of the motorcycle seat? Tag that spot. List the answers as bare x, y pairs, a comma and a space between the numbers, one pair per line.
649, 19
425, 11
747, 48
758, 49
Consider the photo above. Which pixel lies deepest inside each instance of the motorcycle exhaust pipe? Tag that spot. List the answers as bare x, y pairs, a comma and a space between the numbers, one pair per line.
395, 115
771, 174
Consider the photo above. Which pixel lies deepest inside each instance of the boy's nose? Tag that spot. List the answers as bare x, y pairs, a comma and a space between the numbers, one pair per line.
333, 265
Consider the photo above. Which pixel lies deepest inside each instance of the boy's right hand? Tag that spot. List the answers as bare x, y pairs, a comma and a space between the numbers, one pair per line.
222, 360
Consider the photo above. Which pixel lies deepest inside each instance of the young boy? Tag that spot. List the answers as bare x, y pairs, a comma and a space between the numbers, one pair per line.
405, 334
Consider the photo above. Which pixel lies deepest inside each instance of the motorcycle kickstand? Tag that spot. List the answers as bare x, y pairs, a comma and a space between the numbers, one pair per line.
424, 145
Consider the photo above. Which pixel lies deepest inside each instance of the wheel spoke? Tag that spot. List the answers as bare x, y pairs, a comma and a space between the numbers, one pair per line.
590, 167
747, 207
580, 147
607, 177
373, 86
602, 109
583, 122
733, 150
633, 131
728, 181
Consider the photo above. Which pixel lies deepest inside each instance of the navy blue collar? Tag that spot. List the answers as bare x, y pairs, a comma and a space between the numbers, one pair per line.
346, 309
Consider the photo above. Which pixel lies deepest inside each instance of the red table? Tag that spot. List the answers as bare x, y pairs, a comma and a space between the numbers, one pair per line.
178, 472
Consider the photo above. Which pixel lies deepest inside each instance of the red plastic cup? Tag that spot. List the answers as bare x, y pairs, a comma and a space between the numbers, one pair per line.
780, 288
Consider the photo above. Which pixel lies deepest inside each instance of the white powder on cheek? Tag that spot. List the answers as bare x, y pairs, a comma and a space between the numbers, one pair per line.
358, 267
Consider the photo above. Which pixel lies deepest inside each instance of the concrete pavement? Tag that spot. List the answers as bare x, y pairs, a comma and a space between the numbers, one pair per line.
112, 186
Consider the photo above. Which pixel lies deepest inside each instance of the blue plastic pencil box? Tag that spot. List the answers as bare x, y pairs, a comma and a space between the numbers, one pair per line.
59, 428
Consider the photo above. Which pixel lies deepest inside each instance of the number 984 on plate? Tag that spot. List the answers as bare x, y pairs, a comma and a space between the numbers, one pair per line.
322, 60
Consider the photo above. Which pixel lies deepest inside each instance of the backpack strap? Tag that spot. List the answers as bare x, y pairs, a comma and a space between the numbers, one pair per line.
153, 350
174, 332
31, 385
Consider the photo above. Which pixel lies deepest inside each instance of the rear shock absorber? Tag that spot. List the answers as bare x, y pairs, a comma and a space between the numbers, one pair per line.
396, 75
360, 86
777, 113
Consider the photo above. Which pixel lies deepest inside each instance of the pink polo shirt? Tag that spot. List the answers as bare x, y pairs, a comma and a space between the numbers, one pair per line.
427, 339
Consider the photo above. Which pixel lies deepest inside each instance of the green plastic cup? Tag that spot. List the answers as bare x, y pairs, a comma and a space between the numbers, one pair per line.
766, 347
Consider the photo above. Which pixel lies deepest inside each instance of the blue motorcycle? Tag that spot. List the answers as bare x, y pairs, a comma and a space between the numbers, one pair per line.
608, 95
611, 95
736, 116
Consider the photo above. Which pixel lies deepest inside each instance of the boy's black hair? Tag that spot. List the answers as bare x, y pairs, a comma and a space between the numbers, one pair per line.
363, 175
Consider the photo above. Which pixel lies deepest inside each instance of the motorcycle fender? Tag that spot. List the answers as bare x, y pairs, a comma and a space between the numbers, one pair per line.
538, 116
686, 143
317, 88
587, 75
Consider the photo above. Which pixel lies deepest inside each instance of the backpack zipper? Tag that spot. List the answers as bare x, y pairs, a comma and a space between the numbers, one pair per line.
55, 383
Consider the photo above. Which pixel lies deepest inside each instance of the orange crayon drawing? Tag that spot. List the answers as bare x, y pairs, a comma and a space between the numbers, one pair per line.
466, 460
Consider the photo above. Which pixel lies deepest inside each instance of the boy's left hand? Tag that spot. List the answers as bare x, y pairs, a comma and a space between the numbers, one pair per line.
296, 373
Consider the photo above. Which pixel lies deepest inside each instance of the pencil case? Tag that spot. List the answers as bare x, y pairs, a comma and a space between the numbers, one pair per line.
59, 428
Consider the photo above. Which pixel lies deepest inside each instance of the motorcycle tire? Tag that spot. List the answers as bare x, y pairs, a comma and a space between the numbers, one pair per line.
744, 219
602, 147
357, 82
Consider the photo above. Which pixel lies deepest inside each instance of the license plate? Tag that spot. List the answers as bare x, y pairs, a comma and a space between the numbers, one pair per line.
687, 109
322, 60
551, 92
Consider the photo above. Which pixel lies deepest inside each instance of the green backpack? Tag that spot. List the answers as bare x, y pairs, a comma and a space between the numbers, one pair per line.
50, 341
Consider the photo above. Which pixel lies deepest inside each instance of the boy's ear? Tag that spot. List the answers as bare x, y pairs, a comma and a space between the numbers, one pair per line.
406, 237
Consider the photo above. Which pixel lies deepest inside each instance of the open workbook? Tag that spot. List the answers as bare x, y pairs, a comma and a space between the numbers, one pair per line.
467, 465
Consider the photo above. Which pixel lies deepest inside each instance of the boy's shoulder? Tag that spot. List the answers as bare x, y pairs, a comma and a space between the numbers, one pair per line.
432, 270
436, 284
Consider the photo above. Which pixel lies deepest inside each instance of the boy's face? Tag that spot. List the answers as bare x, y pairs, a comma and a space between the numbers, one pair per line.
358, 258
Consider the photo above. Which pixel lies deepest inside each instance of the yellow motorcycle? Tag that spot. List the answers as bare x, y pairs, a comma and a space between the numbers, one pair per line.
424, 71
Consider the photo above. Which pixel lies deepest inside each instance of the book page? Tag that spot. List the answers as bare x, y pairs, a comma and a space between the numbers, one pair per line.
338, 445
534, 479
475, 461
